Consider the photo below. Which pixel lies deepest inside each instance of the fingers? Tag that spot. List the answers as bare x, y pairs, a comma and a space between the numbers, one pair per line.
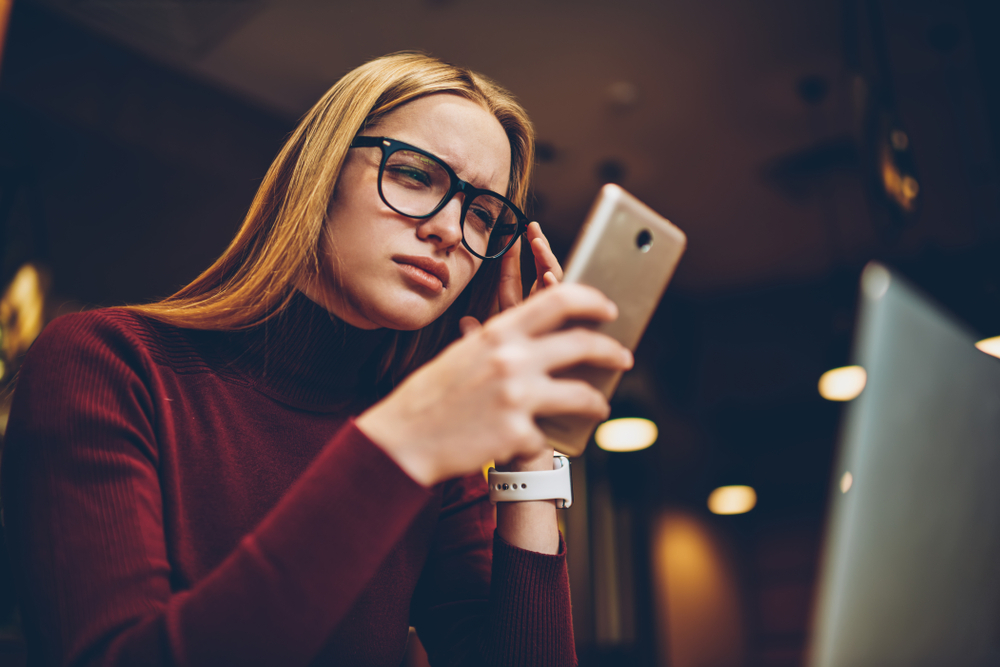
571, 397
550, 309
511, 291
581, 346
547, 267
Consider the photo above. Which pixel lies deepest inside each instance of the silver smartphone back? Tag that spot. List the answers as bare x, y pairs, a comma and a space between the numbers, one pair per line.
629, 252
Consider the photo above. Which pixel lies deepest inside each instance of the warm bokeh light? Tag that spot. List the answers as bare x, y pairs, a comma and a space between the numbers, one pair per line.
842, 384
5, 6
990, 346
846, 481
900, 187
732, 500
696, 591
626, 435
21, 311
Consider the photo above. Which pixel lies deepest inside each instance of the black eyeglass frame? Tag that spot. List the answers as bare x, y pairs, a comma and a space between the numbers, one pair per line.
470, 192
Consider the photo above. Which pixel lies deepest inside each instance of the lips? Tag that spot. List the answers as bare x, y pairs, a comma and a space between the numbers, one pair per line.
427, 270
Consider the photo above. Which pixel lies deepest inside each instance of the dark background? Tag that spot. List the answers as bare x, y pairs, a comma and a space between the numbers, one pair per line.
128, 158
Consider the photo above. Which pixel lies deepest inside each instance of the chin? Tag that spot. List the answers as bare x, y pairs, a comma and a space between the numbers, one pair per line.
408, 324
407, 316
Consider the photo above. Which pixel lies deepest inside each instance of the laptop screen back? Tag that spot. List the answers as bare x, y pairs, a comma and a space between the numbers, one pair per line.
911, 565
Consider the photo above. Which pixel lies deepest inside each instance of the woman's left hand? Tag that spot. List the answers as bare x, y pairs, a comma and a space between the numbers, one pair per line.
529, 525
546, 268
511, 293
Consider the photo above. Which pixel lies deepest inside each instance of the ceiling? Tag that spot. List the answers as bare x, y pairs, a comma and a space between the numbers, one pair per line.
689, 104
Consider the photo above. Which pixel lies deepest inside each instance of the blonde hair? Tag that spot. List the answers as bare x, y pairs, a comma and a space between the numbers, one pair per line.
278, 245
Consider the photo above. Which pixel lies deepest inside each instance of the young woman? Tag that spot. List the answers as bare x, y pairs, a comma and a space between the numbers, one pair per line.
279, 465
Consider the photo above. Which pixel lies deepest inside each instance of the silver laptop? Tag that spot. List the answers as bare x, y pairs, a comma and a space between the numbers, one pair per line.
911, 564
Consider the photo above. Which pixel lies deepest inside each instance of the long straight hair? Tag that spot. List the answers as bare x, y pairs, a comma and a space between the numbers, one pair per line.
278, 246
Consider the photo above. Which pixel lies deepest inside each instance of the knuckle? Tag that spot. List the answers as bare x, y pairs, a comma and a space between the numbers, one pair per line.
492, 335
505, 361
510, 395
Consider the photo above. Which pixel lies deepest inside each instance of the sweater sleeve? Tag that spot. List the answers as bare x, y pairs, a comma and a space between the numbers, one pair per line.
483, 602
84, 522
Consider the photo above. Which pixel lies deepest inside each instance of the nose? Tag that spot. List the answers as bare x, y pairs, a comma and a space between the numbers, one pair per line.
444, 228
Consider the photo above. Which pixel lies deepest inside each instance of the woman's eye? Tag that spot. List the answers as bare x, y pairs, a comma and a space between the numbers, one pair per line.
483, 217
408, 175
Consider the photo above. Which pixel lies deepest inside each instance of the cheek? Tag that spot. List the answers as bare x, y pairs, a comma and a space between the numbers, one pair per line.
469, 267
352, 231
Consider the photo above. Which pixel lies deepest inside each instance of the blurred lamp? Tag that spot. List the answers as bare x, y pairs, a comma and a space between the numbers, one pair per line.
626, 435
842, 384
732, 500
990, 346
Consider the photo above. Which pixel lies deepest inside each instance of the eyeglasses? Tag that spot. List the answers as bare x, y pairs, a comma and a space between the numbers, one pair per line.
417, 184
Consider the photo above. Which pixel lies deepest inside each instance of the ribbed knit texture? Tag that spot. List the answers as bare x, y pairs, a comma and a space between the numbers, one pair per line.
527, 620
177, 497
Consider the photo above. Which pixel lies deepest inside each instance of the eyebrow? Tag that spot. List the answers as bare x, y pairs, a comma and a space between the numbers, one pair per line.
477, 181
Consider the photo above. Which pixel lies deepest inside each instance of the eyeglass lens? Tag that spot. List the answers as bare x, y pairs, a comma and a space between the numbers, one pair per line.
415, 184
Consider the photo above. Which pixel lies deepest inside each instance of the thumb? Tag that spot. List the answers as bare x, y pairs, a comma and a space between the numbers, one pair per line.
468, 324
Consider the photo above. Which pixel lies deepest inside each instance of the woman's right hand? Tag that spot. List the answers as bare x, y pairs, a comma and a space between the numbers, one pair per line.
478, 399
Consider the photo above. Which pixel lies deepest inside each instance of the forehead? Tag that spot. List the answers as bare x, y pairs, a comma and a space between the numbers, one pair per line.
457, 130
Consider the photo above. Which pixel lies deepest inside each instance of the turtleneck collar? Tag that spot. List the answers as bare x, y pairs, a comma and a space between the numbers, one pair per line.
306, 357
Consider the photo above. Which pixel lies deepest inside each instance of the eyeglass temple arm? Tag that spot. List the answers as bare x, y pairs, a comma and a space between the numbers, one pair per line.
366, 142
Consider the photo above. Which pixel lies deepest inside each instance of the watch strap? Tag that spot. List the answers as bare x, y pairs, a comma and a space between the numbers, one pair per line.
555, 484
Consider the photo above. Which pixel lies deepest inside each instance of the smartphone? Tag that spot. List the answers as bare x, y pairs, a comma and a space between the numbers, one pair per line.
629, 252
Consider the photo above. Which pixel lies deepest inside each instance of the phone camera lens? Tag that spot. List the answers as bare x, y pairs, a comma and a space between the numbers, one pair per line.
644, 240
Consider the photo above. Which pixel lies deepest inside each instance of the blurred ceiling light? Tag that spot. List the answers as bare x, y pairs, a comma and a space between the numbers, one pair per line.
626, 435
842, 384
990, 346
732, 500
846, 481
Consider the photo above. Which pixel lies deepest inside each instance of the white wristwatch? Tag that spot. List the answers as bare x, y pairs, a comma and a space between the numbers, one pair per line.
555, 484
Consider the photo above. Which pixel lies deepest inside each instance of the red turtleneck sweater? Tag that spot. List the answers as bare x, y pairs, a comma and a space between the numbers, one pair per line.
179, 497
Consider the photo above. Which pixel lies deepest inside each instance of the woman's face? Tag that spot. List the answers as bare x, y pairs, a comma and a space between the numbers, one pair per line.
383, 269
